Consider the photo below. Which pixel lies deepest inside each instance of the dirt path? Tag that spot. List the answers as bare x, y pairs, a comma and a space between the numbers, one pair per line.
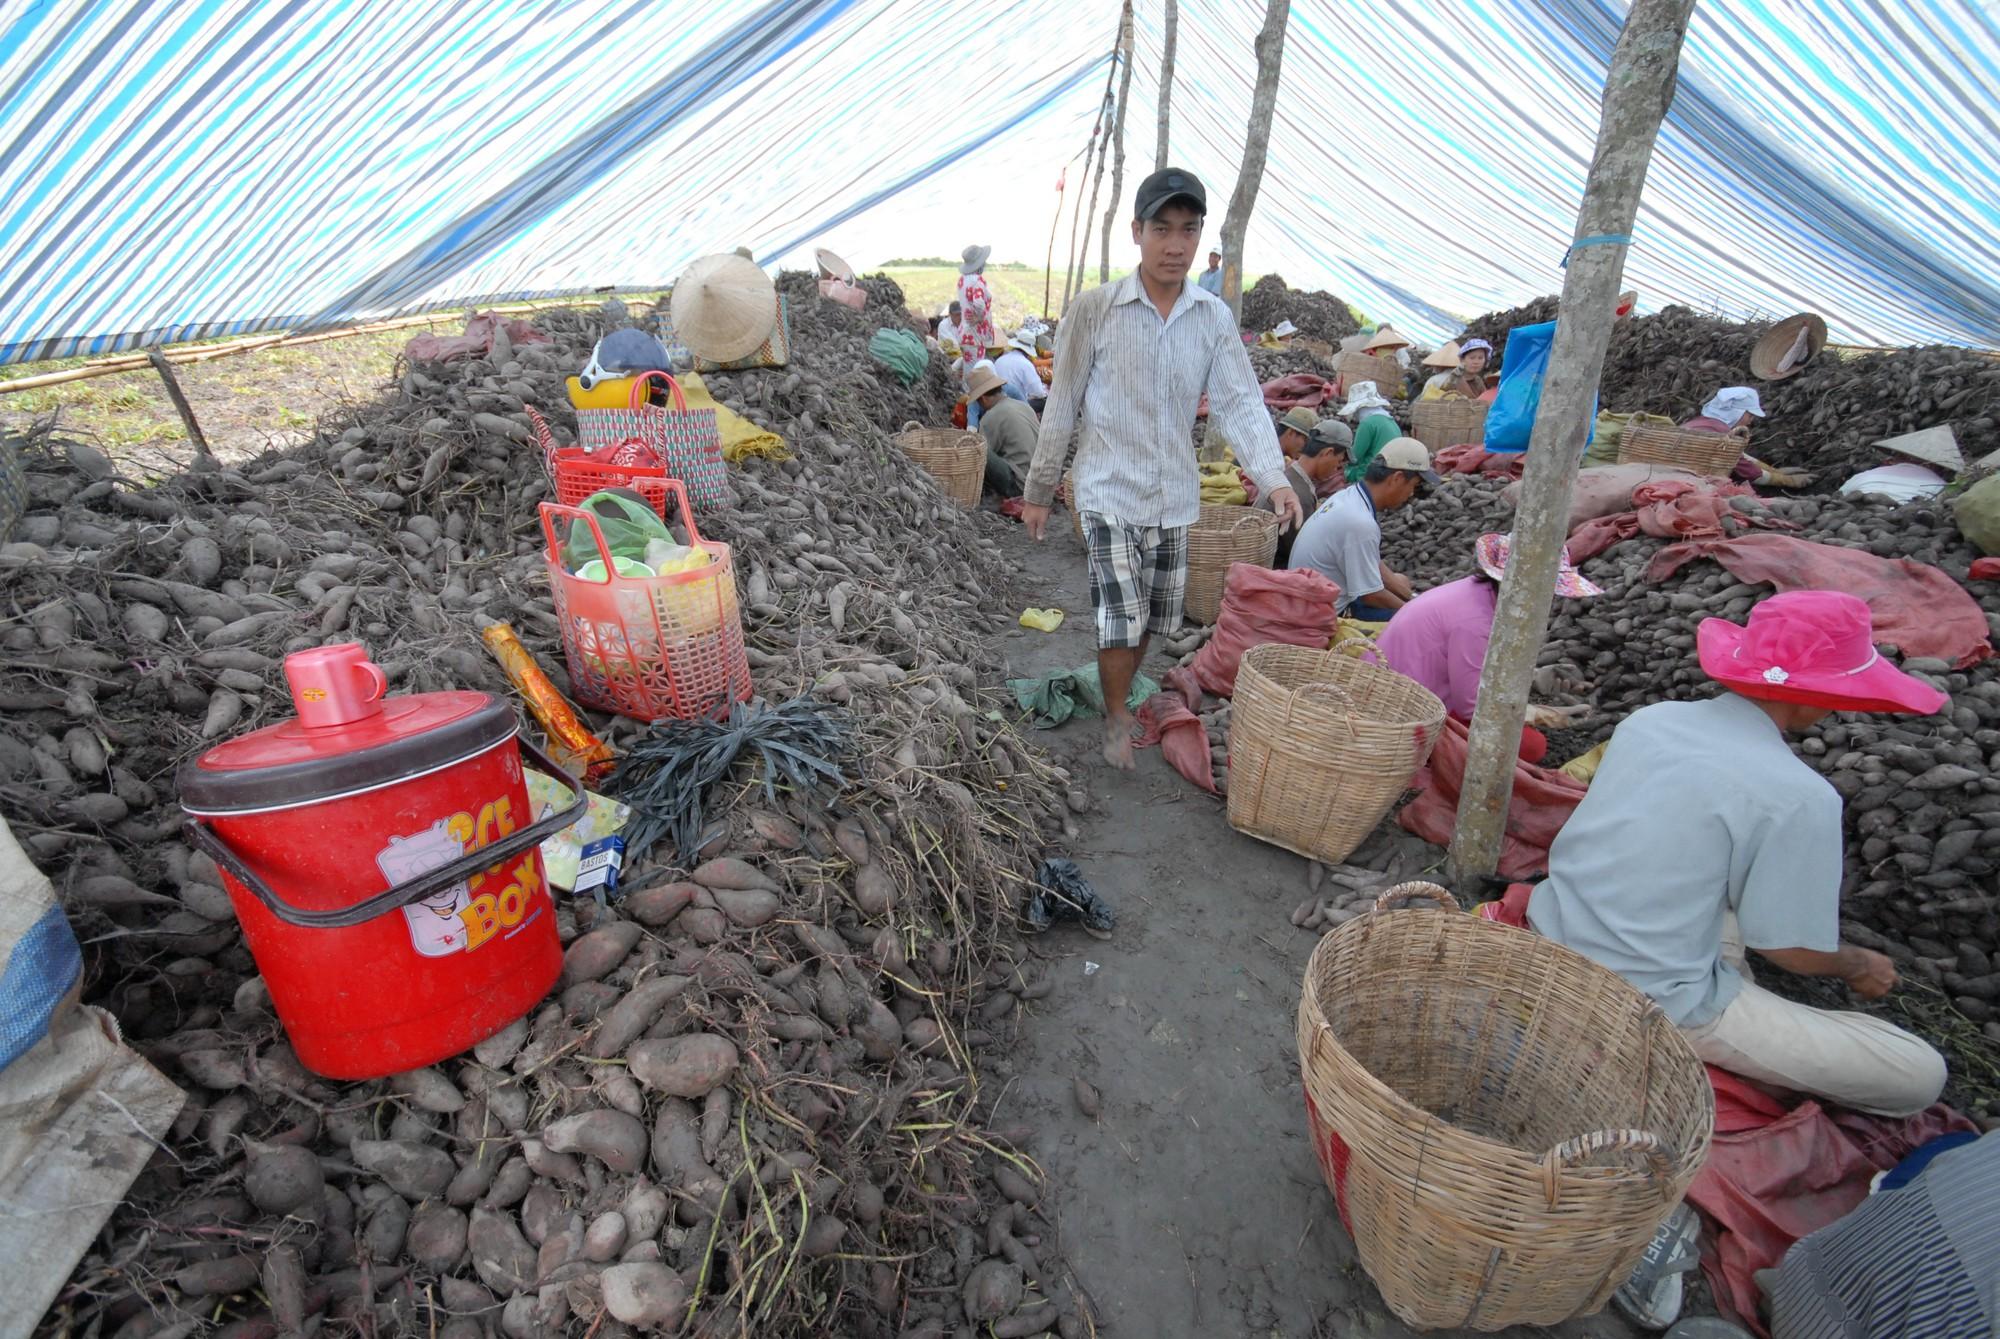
1195, 1206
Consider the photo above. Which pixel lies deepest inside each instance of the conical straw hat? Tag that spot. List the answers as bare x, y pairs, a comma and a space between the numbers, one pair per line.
724, 307
1937, 445
833, 265
1445, 356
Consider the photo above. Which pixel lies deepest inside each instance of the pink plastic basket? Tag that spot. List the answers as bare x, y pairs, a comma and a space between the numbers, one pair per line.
656, 647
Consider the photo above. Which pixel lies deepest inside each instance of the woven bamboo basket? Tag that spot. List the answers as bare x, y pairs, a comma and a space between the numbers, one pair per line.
1441, 423
1502, 1122
1221, 536
1711, 453
1386, 373
954, 457
1314, 771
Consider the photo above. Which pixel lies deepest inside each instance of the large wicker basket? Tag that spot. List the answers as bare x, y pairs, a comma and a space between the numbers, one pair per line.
1502, 1122
1314, 770
1711, 453
952, 456
1386, 373
1441, 423
1221, 536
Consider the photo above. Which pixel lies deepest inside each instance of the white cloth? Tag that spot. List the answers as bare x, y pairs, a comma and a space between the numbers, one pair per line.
1733, 402
1699, 810
1127, 386
1017, 369
1855, 1059
1342, 541
1901, 481
948, 331
1362, 395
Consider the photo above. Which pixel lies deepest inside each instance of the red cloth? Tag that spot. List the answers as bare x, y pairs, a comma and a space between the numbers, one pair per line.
1914, 606
1300, 388
1260, 605
1534, 744
1669, 509
1542, 802
1179, 733
1774, 1175
477, 341
1472, 458
1985, 569
1511, 908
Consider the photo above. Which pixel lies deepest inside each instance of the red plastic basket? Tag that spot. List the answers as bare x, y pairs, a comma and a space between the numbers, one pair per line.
576, 473
652, 648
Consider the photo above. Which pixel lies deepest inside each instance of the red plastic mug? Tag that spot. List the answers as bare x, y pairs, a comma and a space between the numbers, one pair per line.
333, 685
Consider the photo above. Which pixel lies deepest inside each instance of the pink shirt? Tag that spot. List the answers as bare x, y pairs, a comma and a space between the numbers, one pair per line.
1439, 639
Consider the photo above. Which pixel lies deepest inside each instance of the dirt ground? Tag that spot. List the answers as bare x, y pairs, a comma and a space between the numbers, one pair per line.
1194, 1206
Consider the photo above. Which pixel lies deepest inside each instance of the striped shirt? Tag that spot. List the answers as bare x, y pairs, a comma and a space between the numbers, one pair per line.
1920, 1261
1128, 384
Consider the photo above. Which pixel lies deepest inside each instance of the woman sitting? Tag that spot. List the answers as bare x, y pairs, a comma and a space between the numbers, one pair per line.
1467, 381
1730, 409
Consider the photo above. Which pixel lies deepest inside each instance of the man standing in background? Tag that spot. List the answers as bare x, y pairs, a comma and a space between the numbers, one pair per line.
1211, 278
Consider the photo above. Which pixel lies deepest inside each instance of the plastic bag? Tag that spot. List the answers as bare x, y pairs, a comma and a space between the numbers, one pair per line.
1609, 433
629, 523
1511, 420
1062, 894
1977, 511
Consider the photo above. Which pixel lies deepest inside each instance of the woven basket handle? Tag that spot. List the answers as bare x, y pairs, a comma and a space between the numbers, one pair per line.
1400, 896
1368, 647
1572, 1151
642, 391
910, 425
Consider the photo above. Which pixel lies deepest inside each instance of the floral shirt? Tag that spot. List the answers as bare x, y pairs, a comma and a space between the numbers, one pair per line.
975, 323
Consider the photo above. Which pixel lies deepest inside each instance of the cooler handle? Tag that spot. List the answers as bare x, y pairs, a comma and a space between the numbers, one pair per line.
205, 840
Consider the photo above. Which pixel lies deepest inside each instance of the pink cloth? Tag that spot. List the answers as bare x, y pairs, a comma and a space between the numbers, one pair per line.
975, 321
1670, 509
477, 341
1703, 423
1183, 741
1301, 388
1915, 607
1439, 639
1472, 458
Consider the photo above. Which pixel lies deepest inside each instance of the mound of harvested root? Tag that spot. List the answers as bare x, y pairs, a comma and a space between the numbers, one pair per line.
754, 1104
1922, 817
1317, 314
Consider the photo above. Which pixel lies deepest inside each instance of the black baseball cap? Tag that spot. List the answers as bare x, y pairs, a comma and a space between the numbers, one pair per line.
1166, 186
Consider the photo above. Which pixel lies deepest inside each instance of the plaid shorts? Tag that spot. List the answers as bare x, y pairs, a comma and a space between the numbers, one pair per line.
1137, 572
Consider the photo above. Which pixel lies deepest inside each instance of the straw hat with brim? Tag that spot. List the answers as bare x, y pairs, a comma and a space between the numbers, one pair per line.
723, 307
1446, 355
1024, 342
1778, 341
973, 257
1814, 647
1491, 552
1385, 338
834, 265
983, 380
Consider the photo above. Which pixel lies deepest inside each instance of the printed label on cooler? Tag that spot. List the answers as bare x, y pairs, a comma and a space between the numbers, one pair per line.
460, 918
436, 927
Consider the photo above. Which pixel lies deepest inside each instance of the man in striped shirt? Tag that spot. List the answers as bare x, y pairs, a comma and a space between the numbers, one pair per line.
1133, 359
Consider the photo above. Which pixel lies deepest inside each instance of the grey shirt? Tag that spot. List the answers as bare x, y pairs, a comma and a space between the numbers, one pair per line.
1342, 541
1010, 429
1697, 809
1127, 385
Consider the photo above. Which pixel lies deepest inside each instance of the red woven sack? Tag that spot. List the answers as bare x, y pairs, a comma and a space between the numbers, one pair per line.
1261, 605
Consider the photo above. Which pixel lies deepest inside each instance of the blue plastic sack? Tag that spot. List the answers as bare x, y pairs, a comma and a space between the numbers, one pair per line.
1510, 422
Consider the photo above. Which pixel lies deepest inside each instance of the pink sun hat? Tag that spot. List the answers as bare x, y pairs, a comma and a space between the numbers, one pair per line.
1491, 552
1814, 647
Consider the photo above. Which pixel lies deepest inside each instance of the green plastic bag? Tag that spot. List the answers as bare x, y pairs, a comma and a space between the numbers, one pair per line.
1062, 694
629, 525
1977, 511
1604, 443
901, 352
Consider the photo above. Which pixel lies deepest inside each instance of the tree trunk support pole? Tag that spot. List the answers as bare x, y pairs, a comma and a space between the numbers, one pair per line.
1638, 89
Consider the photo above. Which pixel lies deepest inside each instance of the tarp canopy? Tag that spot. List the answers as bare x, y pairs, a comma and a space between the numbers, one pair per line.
190, 168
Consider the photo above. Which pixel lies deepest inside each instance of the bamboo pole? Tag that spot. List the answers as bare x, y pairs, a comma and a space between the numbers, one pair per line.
204, 459
1638, 89
1256, 140
1173, 25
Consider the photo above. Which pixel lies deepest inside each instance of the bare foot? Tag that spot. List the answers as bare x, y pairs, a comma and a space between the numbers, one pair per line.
1118, 742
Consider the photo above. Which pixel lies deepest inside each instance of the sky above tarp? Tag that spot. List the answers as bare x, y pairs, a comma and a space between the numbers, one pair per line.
186, 169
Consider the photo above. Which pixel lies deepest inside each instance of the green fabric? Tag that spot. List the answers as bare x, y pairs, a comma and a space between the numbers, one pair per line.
1609, 434
1061, 694
901, 352
1375, 432
628, 525
1977, 511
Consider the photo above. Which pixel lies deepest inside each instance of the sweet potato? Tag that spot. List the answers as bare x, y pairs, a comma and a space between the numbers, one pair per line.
598, 953
414, 1171
687, 1066
729, 872
623, 1023
747, 907
658, 905
648, 1296
501, 1256
612, 1137
874, 889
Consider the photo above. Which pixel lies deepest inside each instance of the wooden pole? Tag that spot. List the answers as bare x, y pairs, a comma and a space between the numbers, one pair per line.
1117, 144
1049, 262
1638, 89
1263, 101
204, 459
1173, 25
1101, 142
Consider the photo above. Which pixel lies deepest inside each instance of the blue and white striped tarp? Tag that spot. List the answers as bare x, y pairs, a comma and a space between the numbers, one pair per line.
189, 168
